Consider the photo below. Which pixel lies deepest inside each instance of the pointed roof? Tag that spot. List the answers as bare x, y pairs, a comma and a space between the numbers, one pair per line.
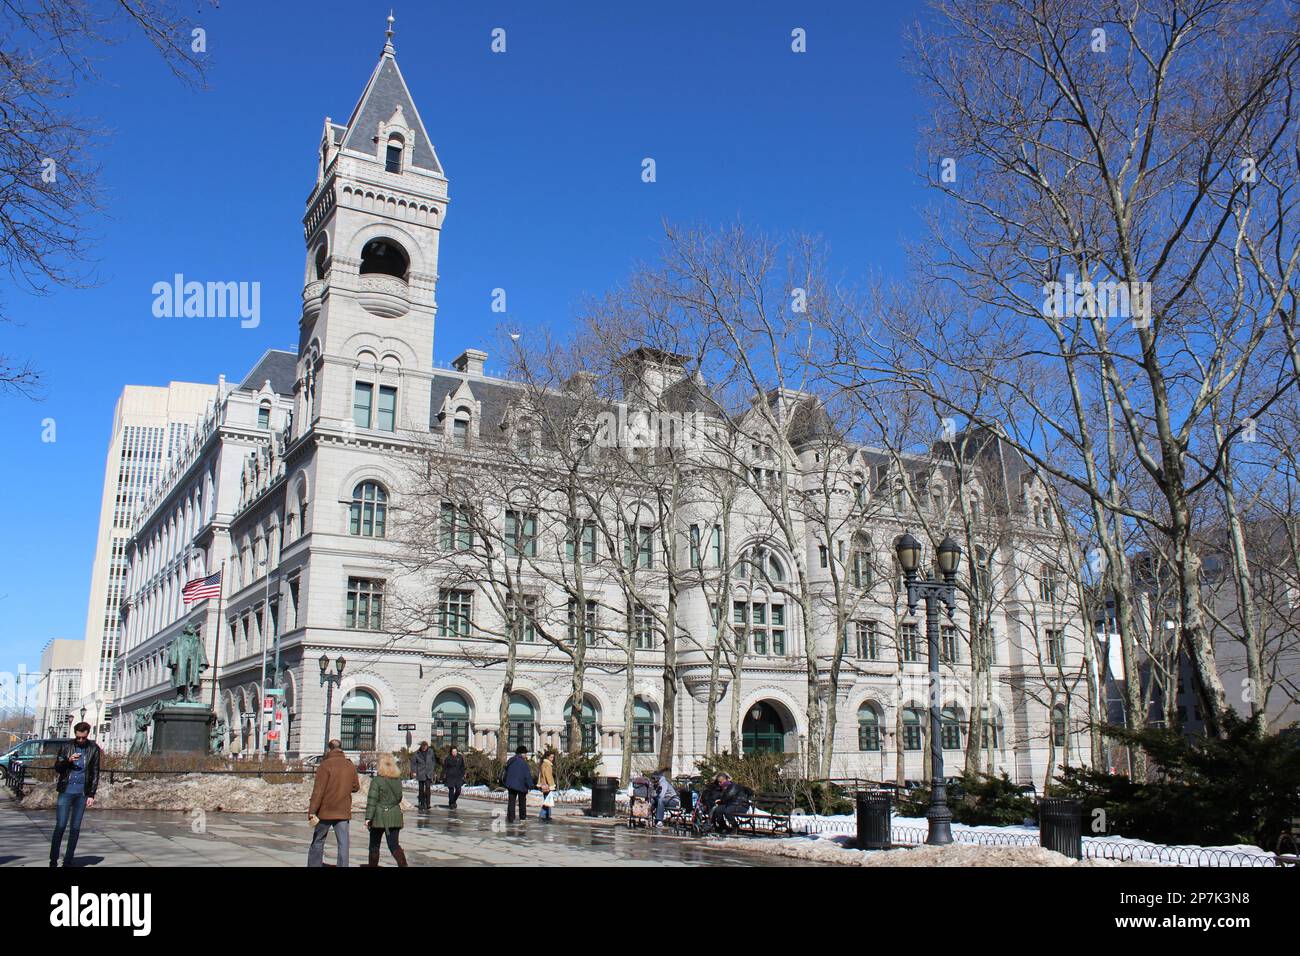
383, 96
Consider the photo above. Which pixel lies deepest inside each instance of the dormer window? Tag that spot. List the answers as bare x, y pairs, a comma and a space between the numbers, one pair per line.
393, 155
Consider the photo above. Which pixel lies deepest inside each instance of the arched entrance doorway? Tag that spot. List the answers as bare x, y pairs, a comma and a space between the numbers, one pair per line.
763, 729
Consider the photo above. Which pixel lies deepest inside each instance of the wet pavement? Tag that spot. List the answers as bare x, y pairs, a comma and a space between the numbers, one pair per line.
474, 834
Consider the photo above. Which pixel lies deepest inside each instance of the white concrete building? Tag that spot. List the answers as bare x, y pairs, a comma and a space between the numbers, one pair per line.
58, 695
149, 425
294, 486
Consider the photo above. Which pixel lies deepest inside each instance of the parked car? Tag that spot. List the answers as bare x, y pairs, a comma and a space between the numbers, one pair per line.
34, 749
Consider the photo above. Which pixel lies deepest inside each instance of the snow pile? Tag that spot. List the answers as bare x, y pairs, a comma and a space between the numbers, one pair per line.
1101, 848
218, 793
833, 849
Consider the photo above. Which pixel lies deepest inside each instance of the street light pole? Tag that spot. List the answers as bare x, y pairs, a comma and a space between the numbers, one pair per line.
933, 591
329, 680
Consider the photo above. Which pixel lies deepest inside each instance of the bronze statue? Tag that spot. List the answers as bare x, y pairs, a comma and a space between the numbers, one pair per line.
143, 718
187, 661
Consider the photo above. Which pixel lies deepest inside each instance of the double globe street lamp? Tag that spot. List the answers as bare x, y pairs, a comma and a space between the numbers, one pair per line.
329, 680
933, 591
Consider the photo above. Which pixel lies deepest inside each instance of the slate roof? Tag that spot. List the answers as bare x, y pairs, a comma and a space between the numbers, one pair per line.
276, 365
383, 94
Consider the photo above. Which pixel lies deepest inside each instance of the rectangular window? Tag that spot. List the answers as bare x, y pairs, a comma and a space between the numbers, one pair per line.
293, 602
362, 398
717, 545
455, 531
393, 159
912, 735
523, 614
948, 644
1047, 585
455, 612
387, 418
909, 639
264, 416
1055, 641
696, 560
521, 534
778, 629
588, 535
861, 569
365, 607
867, 640
643, 629
638, 551
589, 628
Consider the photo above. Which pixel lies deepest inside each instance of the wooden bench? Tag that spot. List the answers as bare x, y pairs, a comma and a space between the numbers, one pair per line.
769, 815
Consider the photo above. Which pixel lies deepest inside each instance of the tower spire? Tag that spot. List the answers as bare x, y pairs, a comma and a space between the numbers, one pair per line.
388, 34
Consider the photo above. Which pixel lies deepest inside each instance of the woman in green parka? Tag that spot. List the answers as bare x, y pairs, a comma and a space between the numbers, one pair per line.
384, 810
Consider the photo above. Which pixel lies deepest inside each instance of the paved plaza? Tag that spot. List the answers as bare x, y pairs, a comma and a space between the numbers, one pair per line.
473, 835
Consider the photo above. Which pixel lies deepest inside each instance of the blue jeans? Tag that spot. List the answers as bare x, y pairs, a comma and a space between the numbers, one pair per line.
71, 807
665, 803
316, 853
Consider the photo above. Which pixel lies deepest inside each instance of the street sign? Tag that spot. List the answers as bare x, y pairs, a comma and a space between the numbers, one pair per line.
275, 691
406, 726
247, 715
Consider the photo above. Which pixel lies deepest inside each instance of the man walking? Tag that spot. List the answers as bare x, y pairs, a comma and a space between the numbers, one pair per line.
518, 781
76, 771
331, 804
422, 765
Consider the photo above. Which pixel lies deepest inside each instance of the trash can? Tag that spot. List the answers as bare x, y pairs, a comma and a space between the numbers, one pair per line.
1060, 826
874, 823
602, 796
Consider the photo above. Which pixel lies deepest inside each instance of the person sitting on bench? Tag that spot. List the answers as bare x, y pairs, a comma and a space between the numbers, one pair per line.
733, 800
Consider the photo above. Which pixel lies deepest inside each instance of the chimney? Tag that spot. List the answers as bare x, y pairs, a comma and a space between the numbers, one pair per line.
470, 362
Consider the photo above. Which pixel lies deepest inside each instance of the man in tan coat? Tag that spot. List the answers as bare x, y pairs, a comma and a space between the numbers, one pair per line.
331, 804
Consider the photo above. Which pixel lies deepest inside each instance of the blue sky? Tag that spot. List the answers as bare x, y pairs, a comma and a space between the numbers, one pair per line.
542, 146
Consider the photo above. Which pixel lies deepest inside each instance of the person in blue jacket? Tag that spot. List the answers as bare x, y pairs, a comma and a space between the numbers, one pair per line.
518, 778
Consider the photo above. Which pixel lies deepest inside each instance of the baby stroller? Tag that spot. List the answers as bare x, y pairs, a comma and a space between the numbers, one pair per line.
640, 811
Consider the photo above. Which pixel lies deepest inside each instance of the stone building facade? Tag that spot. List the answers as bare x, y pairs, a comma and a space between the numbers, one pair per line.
293, 487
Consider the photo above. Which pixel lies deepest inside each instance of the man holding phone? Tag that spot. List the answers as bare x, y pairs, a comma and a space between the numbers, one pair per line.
77, 771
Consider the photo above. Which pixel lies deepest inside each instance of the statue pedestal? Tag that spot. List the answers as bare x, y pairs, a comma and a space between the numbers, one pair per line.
182, 728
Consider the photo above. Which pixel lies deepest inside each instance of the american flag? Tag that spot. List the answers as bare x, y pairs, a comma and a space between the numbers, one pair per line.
200, 589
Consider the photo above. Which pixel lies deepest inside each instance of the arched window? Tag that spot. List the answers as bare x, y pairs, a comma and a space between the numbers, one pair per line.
393, 154
643, 727
450, 720
359, 710
520, 715
460, 426
868, 728
759, 563
912, 735
321, 256
1058, 726
369, 510
950, 728
384, 257
587, 720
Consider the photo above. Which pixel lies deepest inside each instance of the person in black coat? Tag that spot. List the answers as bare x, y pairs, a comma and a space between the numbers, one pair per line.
733, 798
453, 775
76, 769
518, 780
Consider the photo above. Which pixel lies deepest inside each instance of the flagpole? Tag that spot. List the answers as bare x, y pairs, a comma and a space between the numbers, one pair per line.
216, 650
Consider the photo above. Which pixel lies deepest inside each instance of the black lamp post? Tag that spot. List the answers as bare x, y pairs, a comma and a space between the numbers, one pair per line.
328, 679
933, 592
439, 729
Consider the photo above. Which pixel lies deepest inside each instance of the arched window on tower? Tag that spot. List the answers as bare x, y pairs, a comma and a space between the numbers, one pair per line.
384, 257
321, 255
393, 155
